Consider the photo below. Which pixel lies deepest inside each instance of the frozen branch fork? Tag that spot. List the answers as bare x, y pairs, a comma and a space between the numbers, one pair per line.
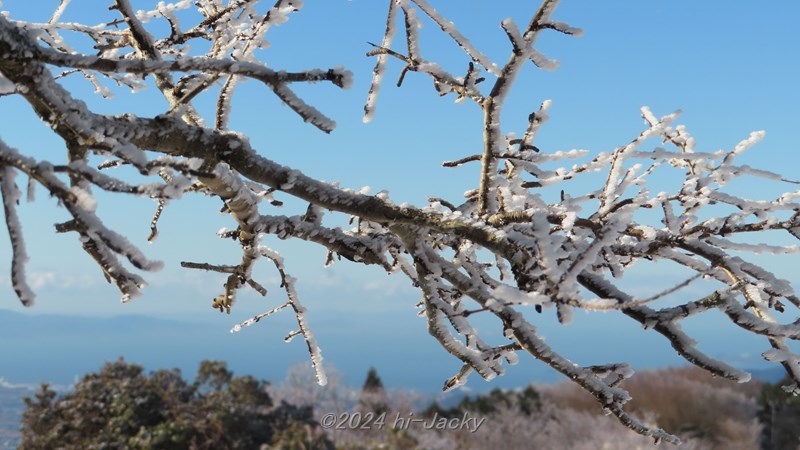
502, 251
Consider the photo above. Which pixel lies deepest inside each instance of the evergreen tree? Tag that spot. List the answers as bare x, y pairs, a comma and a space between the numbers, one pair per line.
779, 411
527, 401
373, 382
373, 395
121, 407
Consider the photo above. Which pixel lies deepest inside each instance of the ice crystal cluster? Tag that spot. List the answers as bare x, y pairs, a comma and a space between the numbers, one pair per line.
505, 250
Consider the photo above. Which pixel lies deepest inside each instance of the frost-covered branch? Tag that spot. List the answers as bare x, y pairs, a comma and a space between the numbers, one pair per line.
10, 193
287, 282
102, 243
528, 239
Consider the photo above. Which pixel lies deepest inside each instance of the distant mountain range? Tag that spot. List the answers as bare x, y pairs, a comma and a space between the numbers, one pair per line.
58, 349
61, 348
771, 375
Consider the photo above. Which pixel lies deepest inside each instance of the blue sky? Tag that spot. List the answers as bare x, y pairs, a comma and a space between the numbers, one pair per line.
730, 66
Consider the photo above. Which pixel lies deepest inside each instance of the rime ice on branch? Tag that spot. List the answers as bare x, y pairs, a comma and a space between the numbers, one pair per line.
504, 251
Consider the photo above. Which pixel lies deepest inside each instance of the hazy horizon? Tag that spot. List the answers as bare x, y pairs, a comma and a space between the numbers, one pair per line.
59, 349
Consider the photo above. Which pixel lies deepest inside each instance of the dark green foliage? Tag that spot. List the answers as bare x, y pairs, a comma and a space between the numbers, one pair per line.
527, 401
373, 382
373, 395
779, 412
301, 436
122, 408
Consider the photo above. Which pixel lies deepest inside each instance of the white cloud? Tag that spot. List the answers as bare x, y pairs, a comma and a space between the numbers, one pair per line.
388, 286
328, 279
8, 385
37, 280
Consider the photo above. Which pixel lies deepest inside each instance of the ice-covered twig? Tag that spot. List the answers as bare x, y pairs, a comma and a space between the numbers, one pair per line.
255, 319
287, 282
612, 398
10, 194
380, 65
99, 242
450, 28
